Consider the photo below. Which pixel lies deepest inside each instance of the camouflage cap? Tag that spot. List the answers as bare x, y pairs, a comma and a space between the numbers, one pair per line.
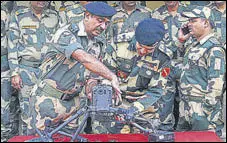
199, 12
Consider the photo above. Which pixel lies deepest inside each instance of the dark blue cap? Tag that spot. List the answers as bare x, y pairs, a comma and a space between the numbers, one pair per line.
149, 31
100, 9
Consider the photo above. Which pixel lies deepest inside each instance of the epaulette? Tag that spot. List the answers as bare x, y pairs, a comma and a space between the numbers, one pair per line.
20, 11
161, 9
68, 8
51, 11
74, 28
214, 41
77, 9
163, 48
147, 9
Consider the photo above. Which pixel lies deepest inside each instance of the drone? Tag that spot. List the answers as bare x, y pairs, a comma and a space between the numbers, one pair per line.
101, 109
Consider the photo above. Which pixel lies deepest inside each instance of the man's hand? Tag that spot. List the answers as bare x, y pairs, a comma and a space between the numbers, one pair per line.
88, 87
16, 82
117, 94
181, 37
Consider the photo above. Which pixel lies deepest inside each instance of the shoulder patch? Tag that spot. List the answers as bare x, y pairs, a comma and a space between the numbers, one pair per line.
147, 9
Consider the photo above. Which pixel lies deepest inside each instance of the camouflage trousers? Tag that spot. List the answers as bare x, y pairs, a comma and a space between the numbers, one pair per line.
47, 106
197, 115
9, 108
29, 78
24, 99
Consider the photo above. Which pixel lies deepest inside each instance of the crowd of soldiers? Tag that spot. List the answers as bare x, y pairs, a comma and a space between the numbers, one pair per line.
54, 52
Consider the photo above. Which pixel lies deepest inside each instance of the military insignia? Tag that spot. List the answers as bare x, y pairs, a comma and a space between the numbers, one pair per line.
122, 74
29, 27
165, 72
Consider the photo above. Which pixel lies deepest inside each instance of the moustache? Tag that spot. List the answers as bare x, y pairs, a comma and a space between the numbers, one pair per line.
99, 29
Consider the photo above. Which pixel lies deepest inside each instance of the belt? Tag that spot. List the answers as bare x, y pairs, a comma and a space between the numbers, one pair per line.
53, 92
30, 63
4, 63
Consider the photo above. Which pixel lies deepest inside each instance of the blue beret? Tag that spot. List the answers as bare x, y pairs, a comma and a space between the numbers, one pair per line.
100, 9
149, 31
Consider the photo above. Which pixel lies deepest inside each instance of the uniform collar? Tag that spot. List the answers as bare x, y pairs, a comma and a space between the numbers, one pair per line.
120, 8
202, 41
81, 31
44, 13
180, 6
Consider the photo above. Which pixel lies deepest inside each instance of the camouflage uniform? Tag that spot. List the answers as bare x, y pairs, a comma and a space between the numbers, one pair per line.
62, 8
172, 24
9, 114
220, 23
17, 5
143, 77
120, 37
8, 5
220, 29
62, 78
125, 24
201, 85
197, 3
27, 35
122, 30
73, 13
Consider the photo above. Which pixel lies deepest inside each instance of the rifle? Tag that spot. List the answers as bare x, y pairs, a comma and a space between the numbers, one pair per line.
101, 109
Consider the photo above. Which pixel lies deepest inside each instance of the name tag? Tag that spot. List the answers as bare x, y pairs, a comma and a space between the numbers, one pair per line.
29, 27
118, 20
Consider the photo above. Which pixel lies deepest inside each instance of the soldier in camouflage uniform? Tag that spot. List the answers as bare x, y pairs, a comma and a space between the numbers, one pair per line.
8, 5
73, 13
129, 14
9, 114
202, 77
17, 5
219, 11
122, 30
144, 77
170, 15
60, 7
29, 30
75, 48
